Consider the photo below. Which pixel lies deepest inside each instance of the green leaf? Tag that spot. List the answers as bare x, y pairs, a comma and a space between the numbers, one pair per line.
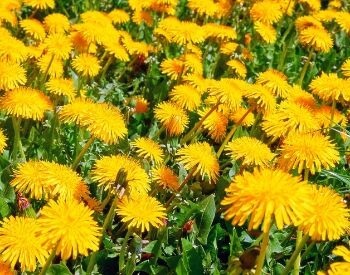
58, 269
205, 219
4, 208
191, 260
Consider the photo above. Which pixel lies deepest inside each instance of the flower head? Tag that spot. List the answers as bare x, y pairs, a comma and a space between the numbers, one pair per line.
339, 268
61, 86
311, 151
201, 158
21, 241
12, 75
86, 64
58, 44
263, 196
40, 4
186, 96
51, 65
317, 38
56, 23
147, 148
165, 177
238, 67
34, 28
275, 81
345, 68
261, 97
173, 117
25, 102
70, 226
266, 31
215, 123
251, 150
141, 211
266, 11
326, 217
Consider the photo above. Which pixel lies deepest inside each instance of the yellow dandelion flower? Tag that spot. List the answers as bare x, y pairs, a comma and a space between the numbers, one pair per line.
275, 81
147, 148
58, 44
263, 196
326, 15
21, 241
326, 217
43, 179
299, 96
6, 269
173, 68
141, 211
201, 158
317, 38
165, 177
198, 82
314, 5
335, 4
40, 4
34, 28
141, 16
304, 22
343, 20
237, 115
221, 32
266, 11
173, 117
324, 114
114, 47
70, 226
56, 23
193, 64
266, 31
186, 96
3, 140
103, 120
26, 102
261, 97
8, 16
238, 67
345, 68
106, 170
61, 86
339, 268
136, 47
12, 49
229, 91
51, 64
228, 48
251, 150
12, 75
93, 16
118, 16
93, 204
141, 105
330, 87
86, 64
311, 151
215, 124
92, 32
290, 117
81, 44
203, 7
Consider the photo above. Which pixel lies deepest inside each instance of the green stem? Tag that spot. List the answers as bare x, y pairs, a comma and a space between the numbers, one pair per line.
295, 254
232, 132
332, 113
298, 256
82, 152
52, 131
188, 136
307, 250
306, 65
123, 250
48, 261
106, 66
262, 254
47, 70
17, 146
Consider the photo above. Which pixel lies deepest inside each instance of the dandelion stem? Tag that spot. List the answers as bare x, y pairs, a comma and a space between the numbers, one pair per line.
186, 180
297, 260
48, 261
123, 250
17, 146
332, 113
232, 132
106, 66
295, 254
82, 152
188, 136
47, 70
263, 249
306, 65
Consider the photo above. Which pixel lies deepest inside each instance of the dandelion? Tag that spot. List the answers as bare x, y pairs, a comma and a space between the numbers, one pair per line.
339, 268
12, 75
325, 115
141, 16
173, 117
2, 141
107, 168
251, 150
215, 123
263, 196
186, 96
12, 50
221, 32
266, 11
228, 48
56, 23
140, 212
237, 115
326, 217
34, 28
147, 148
21, 241
201, 158
275, 81
141, 105
206, 7
238, 67
51, 65
165, 177
343, 20
86, 64
26, 103
267, 32
311, 151
316, 38
345, 68
174, 68
6, 269
40, 4
118, 16
70, 226
61, 87
261, 97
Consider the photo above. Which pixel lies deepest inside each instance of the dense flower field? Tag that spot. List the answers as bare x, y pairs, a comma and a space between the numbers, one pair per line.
174, 137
